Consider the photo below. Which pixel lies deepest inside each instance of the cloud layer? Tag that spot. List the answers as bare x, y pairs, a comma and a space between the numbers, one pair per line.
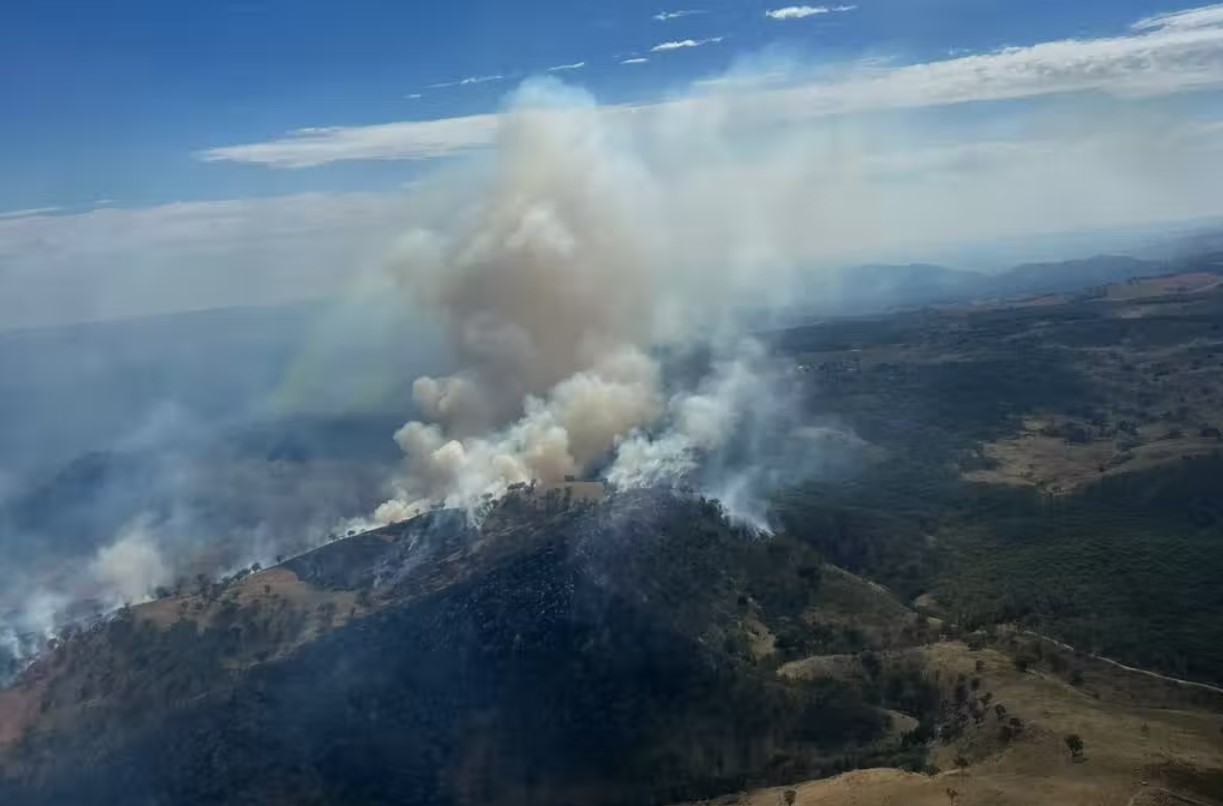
115, 262
29, 212
1162, 55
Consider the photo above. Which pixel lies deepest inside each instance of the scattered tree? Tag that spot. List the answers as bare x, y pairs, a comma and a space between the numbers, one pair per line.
1074, 743
871, 664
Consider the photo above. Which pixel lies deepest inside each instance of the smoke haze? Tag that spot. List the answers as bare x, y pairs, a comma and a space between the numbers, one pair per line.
584, 246
565, 268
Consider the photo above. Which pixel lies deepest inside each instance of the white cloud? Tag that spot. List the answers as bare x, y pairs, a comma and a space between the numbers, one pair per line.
685, 43
562, 67
1201, 17
799, 12
664, 16
635, 60
740, 80
29, 212
1162, 62
414, 96
317, 146
1161, 58
465, 82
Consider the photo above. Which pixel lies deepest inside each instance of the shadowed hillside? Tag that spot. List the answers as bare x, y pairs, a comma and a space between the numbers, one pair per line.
609, 653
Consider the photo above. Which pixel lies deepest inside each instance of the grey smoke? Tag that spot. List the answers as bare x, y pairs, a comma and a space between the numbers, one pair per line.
143, 452
587, 243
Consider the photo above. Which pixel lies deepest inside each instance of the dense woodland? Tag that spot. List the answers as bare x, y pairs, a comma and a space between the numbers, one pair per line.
1126, 564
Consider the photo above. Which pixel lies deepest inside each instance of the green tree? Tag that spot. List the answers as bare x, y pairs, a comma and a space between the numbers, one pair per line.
1074, 743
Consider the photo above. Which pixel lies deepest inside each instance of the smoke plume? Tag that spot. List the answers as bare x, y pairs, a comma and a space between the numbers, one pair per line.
580, 250
131, 568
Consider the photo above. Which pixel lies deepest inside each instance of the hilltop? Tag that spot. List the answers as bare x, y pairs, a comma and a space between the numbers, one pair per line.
539, 656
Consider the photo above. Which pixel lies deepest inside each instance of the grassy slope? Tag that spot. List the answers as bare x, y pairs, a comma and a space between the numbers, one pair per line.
1134, 754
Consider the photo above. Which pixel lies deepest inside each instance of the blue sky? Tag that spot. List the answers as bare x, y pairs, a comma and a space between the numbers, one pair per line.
110, 100
153, 147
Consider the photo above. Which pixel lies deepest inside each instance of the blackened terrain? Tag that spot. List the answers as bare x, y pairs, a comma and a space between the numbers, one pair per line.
593, 653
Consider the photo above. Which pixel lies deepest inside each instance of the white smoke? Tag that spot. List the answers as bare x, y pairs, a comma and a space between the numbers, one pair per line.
129, 570
581, 247
125, 572
557, 436
738, 437
699, 423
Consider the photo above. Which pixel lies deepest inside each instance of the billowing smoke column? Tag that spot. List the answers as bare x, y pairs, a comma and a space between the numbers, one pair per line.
572, 263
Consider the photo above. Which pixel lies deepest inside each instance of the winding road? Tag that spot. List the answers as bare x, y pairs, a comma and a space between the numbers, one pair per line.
1117, 664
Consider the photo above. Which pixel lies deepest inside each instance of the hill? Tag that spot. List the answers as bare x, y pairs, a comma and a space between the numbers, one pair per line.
535, 660
1071, 275
879, 288
632, 650
1036, 507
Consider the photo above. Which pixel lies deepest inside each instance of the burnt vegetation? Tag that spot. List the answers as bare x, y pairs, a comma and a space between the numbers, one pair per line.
595, 654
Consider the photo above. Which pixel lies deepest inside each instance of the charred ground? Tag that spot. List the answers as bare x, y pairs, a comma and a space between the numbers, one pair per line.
601, 652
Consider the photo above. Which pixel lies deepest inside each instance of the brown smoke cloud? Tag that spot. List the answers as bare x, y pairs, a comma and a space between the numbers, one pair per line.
586, 241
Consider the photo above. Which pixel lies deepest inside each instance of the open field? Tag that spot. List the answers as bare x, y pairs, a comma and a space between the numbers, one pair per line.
1133, 754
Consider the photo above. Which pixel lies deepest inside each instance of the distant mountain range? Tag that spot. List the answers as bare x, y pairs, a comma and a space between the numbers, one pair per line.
1071, 275
876, 288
